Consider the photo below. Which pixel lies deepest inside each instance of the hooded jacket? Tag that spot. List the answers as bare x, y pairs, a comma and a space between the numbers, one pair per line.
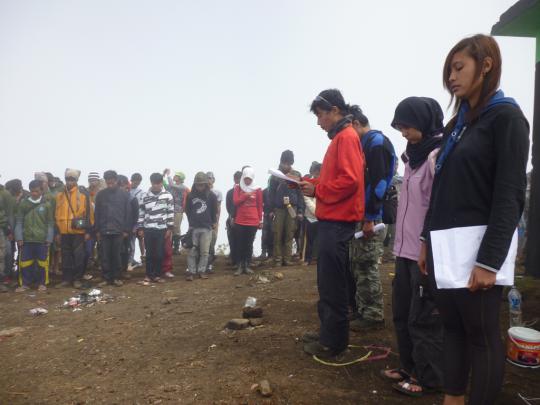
201, 209
34, 221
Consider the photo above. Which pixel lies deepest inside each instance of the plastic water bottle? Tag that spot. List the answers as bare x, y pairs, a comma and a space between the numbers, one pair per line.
514, 307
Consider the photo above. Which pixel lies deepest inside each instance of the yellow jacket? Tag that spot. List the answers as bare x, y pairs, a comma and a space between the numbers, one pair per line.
81, 209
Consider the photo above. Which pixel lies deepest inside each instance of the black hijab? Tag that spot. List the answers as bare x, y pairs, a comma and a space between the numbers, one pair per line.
425, 115
342, 123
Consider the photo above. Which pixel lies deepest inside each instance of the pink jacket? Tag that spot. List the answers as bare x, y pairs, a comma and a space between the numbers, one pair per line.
412, 207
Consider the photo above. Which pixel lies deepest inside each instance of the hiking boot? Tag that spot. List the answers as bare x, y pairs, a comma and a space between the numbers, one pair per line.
118, 283
77, 284
238, 271
361, 324
323, 352
63, 284
310, 337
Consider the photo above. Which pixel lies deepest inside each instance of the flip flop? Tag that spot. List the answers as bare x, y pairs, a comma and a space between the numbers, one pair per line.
405, 388
404, 375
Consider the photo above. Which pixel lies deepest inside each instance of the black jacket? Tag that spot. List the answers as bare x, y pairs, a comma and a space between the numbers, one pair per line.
229, 203
201, 209
280, 188
483, 181
113, 211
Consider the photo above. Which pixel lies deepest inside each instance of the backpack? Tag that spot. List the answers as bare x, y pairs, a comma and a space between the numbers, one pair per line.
390, 198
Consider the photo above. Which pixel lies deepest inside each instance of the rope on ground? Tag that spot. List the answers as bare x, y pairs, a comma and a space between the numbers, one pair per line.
385, 351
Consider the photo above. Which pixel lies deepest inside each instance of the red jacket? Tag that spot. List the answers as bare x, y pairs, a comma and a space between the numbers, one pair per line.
340, 188
248, 210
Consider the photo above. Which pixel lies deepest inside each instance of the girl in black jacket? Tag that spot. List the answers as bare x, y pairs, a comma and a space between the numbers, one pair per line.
479, 183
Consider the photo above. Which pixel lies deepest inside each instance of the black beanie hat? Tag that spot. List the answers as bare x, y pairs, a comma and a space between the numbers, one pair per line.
287, 156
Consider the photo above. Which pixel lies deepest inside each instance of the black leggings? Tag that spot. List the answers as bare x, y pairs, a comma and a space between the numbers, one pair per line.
472, 340
244, 235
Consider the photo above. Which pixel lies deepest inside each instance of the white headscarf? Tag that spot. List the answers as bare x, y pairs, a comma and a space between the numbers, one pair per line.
249, 173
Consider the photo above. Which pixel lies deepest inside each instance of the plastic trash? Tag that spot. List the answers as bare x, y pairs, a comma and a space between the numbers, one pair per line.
377, 228
251, 302
514, 307
38, 311
94, 293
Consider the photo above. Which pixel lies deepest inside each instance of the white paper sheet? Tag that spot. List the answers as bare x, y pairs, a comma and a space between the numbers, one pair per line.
454, 256
376, 228
280, 175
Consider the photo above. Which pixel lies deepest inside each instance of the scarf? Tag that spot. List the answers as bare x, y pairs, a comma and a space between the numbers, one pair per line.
460, 126
425, 115
249, 173
342, 123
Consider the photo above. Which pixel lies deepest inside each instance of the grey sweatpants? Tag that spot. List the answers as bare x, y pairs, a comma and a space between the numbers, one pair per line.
201, 246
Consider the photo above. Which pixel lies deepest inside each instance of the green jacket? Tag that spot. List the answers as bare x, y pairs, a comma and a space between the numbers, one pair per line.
7, 208
34, 221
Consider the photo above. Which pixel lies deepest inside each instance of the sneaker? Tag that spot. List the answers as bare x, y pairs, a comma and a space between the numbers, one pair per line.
361, 324
77, 284
118, 283
3, 288
322, 352
42, 287
238, 271
63, 284
310, 337
210, 269
159, 280
168, 274
126, 276
189, 277
130, 267
20, 289
247, 270
88, 277
203, 276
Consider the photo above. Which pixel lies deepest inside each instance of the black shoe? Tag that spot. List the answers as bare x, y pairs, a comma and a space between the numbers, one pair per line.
361, 324
323, 352
310, 337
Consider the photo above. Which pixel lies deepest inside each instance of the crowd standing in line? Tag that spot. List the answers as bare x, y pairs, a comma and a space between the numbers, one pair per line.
470, 173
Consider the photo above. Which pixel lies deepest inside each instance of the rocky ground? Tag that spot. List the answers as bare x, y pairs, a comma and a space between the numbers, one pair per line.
167, 343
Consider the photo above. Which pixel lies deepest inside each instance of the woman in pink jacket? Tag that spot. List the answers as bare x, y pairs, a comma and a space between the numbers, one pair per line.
248, 200
416, 319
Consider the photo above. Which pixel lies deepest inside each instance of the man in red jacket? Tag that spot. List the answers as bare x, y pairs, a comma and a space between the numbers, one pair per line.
340, 205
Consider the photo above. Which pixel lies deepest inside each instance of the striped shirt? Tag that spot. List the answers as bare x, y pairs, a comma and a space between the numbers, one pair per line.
156, 211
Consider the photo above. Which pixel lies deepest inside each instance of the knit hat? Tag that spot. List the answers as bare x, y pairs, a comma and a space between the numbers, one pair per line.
287, 156
72, 173
40, 176
180, 175
93, 176
201, 178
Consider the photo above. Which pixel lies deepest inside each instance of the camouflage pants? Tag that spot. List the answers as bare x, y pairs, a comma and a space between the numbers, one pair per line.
365, 255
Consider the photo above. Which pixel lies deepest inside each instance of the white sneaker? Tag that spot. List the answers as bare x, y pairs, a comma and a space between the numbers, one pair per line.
168, 275
130, 267
88, 277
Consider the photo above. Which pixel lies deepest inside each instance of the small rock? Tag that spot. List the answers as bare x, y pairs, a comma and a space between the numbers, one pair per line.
255, 322
255, 312
278, 275
165, 301
237, 324
11, 331
264, 388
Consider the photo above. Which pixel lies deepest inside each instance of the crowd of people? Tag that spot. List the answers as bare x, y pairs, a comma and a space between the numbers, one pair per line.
471, 172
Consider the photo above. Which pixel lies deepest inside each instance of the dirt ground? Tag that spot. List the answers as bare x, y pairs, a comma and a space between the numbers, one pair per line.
166, 343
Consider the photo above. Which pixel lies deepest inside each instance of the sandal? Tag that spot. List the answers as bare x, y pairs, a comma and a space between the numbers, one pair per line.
403, 374
405, 387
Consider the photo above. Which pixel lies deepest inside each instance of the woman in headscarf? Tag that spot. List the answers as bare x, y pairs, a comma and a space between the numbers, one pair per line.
248, 200
417, 324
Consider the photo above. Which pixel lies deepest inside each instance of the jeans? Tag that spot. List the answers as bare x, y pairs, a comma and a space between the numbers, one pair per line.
111, 248
154, 241
202, 237
333, 282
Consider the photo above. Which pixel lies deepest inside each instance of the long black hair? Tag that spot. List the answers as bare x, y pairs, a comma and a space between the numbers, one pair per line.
327, 99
